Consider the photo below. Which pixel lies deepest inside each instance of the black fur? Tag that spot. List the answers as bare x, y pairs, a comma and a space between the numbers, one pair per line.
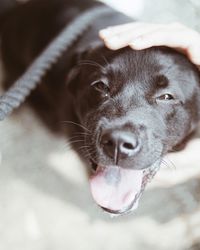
100, 89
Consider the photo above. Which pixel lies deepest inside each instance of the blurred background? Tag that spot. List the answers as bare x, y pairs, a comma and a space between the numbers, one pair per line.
45, 202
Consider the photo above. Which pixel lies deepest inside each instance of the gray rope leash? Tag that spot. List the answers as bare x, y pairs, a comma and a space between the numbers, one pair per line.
18, 92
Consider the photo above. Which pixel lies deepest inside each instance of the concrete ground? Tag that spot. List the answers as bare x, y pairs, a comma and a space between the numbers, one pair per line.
45, 203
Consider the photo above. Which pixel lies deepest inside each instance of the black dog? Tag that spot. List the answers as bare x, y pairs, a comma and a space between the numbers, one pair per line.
130, 107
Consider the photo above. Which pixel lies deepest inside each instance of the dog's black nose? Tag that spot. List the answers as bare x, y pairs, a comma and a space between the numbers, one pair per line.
119, 144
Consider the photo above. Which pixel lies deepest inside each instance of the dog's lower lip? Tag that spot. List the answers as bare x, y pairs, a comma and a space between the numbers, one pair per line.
117, 212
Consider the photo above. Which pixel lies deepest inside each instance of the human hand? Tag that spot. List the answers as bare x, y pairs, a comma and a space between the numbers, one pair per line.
139, 36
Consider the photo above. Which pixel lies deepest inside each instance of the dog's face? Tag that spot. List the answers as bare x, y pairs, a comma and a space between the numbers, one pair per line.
136, 106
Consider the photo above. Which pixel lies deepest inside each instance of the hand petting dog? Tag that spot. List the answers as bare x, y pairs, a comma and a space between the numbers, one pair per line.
140, 35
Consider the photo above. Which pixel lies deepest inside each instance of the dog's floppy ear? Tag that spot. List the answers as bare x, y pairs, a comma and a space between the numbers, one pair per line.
73, 77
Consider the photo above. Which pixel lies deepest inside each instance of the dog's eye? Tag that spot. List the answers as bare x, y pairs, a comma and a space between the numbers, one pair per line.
101, 87
165, 97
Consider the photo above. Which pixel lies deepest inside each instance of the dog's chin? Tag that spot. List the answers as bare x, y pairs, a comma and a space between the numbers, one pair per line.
117, 190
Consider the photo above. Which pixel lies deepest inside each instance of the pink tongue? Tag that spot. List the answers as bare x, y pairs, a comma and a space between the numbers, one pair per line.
114, 187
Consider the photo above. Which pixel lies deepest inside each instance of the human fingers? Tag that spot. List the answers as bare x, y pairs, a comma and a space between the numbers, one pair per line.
122, 37
179, 37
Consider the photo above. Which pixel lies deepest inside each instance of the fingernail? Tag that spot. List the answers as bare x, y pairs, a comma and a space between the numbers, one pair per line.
114, 40
112, 46
113, 43
137, 42
104, 32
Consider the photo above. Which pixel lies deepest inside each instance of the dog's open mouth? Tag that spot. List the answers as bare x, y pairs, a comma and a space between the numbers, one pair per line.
116, 189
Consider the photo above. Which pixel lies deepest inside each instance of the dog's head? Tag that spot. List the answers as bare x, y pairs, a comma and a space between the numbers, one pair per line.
136, 106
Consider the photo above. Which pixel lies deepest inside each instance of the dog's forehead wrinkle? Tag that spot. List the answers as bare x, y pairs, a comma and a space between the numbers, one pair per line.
135, 63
